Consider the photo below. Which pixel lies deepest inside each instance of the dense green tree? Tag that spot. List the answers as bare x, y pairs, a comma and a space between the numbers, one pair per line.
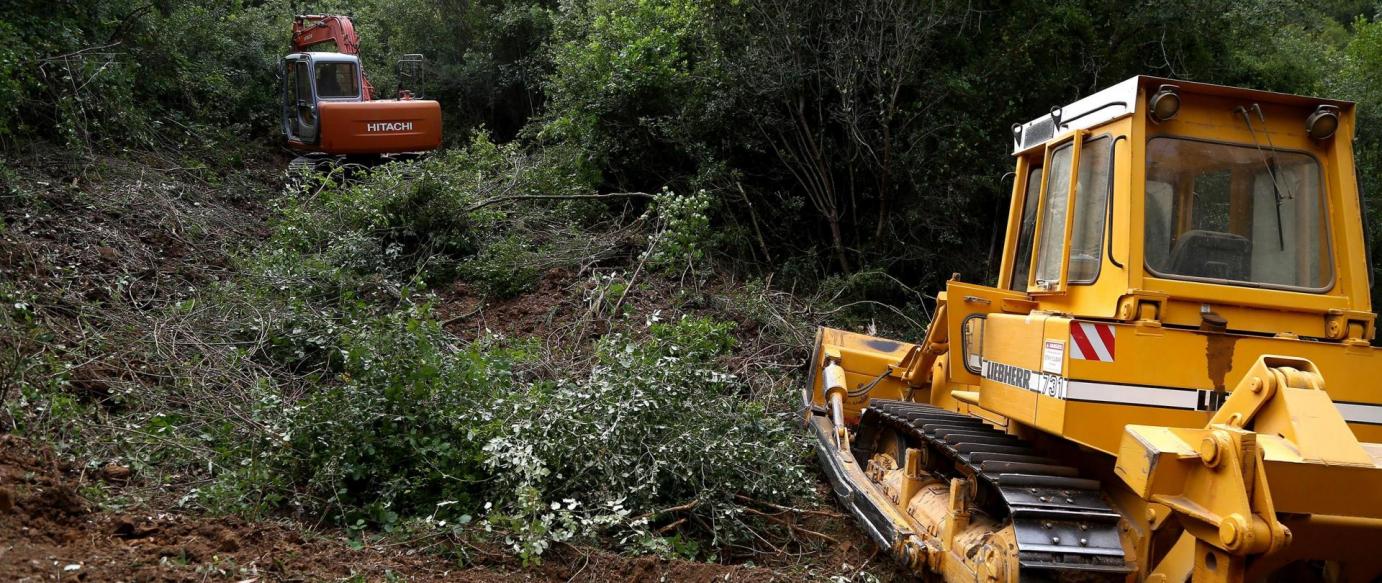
833, 137
151, 74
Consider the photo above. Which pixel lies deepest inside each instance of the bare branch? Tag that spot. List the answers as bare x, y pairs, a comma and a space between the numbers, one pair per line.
493, 201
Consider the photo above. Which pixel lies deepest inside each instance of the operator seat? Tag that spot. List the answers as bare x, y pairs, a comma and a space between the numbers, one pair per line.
327, 84
1212, 254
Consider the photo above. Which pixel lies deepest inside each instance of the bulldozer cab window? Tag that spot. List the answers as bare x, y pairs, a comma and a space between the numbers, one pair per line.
1087, 213
1091, 206
336, 80
1022, 263
1235, 213
1051, 248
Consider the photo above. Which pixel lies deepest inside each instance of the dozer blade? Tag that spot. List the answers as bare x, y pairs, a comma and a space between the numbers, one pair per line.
871, 359
885, 525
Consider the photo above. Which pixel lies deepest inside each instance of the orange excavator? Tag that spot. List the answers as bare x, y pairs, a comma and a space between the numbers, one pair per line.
329, 106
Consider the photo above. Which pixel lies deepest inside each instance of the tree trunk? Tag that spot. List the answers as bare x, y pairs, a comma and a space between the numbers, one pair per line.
884, 181
834, 220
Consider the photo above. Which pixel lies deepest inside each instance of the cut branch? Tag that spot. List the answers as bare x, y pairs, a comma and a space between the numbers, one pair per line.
493, 201
779, 507
671, 527
792, 526
678, 508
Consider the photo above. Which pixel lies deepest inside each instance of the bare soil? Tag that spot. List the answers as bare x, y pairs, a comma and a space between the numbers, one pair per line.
468, 314
50, 532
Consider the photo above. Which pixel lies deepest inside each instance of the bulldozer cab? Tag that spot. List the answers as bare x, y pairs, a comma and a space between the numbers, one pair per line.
308, 80
1192, 205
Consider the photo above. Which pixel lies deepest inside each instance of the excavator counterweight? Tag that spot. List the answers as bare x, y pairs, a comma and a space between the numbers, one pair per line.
1172, 378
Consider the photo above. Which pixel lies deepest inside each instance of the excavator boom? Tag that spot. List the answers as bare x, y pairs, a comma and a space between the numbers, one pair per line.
311, 30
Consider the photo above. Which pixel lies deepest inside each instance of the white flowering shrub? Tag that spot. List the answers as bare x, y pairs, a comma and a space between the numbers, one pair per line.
656, 423
684, 236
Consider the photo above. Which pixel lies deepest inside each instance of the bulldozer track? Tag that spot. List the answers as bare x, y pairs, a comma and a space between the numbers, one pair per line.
1062, 522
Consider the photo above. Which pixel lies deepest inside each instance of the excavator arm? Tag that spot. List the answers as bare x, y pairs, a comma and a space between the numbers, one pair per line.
310, 30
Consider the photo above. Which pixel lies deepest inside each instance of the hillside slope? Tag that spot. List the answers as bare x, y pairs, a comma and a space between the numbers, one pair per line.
135, 386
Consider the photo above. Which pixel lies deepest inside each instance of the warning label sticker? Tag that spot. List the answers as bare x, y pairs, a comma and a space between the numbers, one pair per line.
1053, 357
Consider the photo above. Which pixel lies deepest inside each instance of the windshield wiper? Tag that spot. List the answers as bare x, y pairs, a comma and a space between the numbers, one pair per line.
1269, 164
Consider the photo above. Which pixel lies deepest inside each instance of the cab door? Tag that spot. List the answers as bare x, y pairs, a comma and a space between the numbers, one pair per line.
300, 102
1050, 267
287, 99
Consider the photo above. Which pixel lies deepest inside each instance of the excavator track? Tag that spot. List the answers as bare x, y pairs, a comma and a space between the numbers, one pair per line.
1064, 526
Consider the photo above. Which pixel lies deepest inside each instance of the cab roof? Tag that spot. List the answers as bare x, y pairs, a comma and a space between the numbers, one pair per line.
1121, 99
326, 57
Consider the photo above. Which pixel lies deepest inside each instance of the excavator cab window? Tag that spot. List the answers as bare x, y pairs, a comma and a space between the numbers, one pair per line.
1235, 214
336, 80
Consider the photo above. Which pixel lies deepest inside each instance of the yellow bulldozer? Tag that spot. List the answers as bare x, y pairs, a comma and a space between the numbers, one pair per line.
1172, 379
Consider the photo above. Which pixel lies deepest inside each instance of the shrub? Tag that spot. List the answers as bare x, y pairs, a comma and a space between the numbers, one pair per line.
654, 424
401, 434
423, 222
685, 235
504, 268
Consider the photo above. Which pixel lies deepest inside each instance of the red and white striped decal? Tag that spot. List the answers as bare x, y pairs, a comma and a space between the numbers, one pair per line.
1090, 341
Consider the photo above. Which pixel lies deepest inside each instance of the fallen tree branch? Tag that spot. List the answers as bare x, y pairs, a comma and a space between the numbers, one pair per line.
477, 309
791, 525
55, 58
677, 508
826, 513
484, 203
614, 313
673, 526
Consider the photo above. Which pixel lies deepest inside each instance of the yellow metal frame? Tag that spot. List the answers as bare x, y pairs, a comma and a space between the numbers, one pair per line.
1216, 481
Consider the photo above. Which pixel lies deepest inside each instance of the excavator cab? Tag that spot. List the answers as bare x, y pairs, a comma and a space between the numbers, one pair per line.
328, 104
308, 79
1171, 378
